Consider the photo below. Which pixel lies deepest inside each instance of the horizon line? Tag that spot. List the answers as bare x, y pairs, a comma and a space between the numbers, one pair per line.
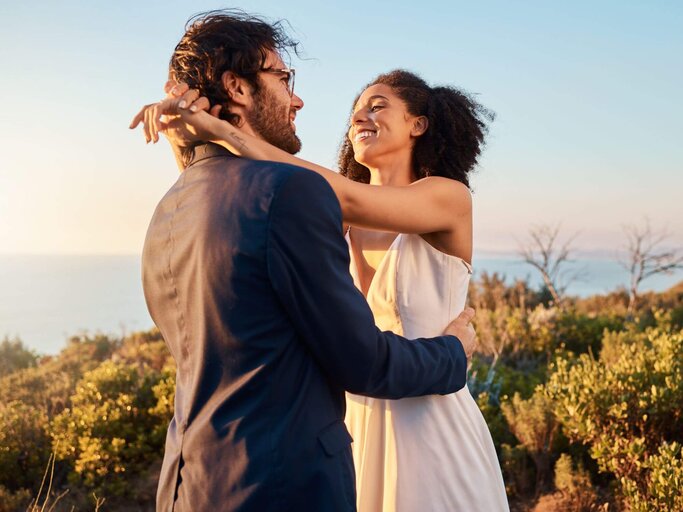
485, 253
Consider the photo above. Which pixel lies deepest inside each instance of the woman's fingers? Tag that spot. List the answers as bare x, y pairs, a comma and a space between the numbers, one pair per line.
150, 117
147, 124
178, 89
188, 98
167, 107
200, 104
156, 119
169, 85
139, 117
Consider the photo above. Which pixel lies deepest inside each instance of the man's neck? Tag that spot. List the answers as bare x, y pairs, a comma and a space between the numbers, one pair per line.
177, 153
246, 128
243, 125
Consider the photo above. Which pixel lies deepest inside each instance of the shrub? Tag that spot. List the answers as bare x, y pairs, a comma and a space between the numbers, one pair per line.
518, 472
581, 333
533, 423
15, 356
50, 385
663, 482
502, 331
146, 348
625, 406
495, 421
574, 484
13, 501
111, 432
24, 446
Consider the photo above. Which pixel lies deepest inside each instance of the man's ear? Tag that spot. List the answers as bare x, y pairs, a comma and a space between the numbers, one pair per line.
420, 125
238, 89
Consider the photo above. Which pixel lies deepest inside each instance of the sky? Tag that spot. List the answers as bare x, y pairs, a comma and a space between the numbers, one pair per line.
588, 132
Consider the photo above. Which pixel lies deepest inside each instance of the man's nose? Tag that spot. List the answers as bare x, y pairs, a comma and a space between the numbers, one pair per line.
297, 103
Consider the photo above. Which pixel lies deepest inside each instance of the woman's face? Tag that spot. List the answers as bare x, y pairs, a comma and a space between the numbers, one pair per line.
381, 127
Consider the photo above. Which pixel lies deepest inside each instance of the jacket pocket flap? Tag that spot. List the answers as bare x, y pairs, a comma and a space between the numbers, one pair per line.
335, 438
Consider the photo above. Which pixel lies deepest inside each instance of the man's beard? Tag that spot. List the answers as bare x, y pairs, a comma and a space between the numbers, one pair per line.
270, 119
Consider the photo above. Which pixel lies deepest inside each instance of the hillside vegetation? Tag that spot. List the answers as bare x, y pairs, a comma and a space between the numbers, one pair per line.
584, 402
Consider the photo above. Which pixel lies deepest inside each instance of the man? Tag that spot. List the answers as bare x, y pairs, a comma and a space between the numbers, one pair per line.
245, 272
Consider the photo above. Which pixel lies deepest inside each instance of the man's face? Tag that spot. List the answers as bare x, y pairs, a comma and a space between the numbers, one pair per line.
273, 110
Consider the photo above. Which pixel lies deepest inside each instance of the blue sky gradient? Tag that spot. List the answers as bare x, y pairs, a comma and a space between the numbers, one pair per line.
587, 96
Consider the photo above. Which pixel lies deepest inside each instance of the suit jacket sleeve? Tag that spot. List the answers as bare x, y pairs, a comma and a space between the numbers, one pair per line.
308, 263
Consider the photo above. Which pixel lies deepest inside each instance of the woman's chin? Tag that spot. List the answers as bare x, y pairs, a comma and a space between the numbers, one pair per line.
362, 158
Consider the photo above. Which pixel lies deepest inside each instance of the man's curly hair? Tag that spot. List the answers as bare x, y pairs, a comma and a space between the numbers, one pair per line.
226, 40
453, 140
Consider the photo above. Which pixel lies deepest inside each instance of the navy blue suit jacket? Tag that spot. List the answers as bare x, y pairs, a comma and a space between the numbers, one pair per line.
245, 272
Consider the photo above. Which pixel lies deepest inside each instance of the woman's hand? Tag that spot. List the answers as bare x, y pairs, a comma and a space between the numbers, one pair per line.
182, 116
185, 118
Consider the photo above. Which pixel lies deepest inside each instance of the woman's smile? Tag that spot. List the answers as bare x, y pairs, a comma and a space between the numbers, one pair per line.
364, 135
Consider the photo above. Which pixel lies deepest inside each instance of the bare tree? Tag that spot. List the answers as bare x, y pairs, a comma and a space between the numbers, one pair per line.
544, 252
646, 256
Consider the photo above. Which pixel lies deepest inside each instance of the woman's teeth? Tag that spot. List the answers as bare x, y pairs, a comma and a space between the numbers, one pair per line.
363, 135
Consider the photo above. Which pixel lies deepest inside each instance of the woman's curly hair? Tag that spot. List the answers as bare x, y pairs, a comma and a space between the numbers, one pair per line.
454, 137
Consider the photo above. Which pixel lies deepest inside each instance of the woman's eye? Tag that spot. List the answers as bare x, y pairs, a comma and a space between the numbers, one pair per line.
375, 108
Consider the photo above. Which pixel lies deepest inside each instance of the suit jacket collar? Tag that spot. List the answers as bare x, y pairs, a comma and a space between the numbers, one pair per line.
208, 150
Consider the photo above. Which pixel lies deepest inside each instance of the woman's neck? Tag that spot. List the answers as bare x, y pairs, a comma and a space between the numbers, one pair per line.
395, 174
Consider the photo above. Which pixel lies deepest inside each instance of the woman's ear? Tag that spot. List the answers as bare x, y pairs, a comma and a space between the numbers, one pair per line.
237, 88
420, 125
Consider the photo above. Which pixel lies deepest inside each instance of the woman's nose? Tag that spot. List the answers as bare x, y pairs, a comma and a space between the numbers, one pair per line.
359, 116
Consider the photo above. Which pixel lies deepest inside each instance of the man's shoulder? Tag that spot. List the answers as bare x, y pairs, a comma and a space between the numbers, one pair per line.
286, 171
303, 185
280, 172
280, 182
305, 201
286, 181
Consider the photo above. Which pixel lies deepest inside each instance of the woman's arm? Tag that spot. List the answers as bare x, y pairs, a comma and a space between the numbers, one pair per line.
429, 205
426, 206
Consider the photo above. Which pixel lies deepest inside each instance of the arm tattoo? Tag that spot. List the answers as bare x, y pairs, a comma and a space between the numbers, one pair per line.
238, 141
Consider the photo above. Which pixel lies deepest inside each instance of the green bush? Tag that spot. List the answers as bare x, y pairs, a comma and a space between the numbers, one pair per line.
574, 485
499, 331
146, 348
626, 405
104, 404
15, 356
533, 423
24, 446
582, 333
115, 426
14, 501
518, 471
663, 486
50, 385
495, 420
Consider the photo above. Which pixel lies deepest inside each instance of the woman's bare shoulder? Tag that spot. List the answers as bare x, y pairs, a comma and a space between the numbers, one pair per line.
453, 192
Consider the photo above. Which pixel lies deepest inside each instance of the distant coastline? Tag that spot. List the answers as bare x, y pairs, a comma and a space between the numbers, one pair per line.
44, 299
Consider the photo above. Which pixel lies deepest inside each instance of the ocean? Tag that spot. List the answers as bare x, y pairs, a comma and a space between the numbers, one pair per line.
46, 299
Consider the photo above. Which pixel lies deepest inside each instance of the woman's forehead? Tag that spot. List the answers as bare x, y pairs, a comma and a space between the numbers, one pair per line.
375, 90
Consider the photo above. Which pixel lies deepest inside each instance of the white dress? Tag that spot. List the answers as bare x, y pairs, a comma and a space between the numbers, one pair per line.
432, 453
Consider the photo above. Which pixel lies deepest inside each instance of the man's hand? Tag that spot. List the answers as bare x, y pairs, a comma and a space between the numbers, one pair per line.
462, 329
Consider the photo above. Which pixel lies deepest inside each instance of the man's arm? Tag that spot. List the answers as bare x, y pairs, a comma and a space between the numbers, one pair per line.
308, 262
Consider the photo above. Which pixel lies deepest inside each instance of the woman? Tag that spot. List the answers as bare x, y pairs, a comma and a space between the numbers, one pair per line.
407, 210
